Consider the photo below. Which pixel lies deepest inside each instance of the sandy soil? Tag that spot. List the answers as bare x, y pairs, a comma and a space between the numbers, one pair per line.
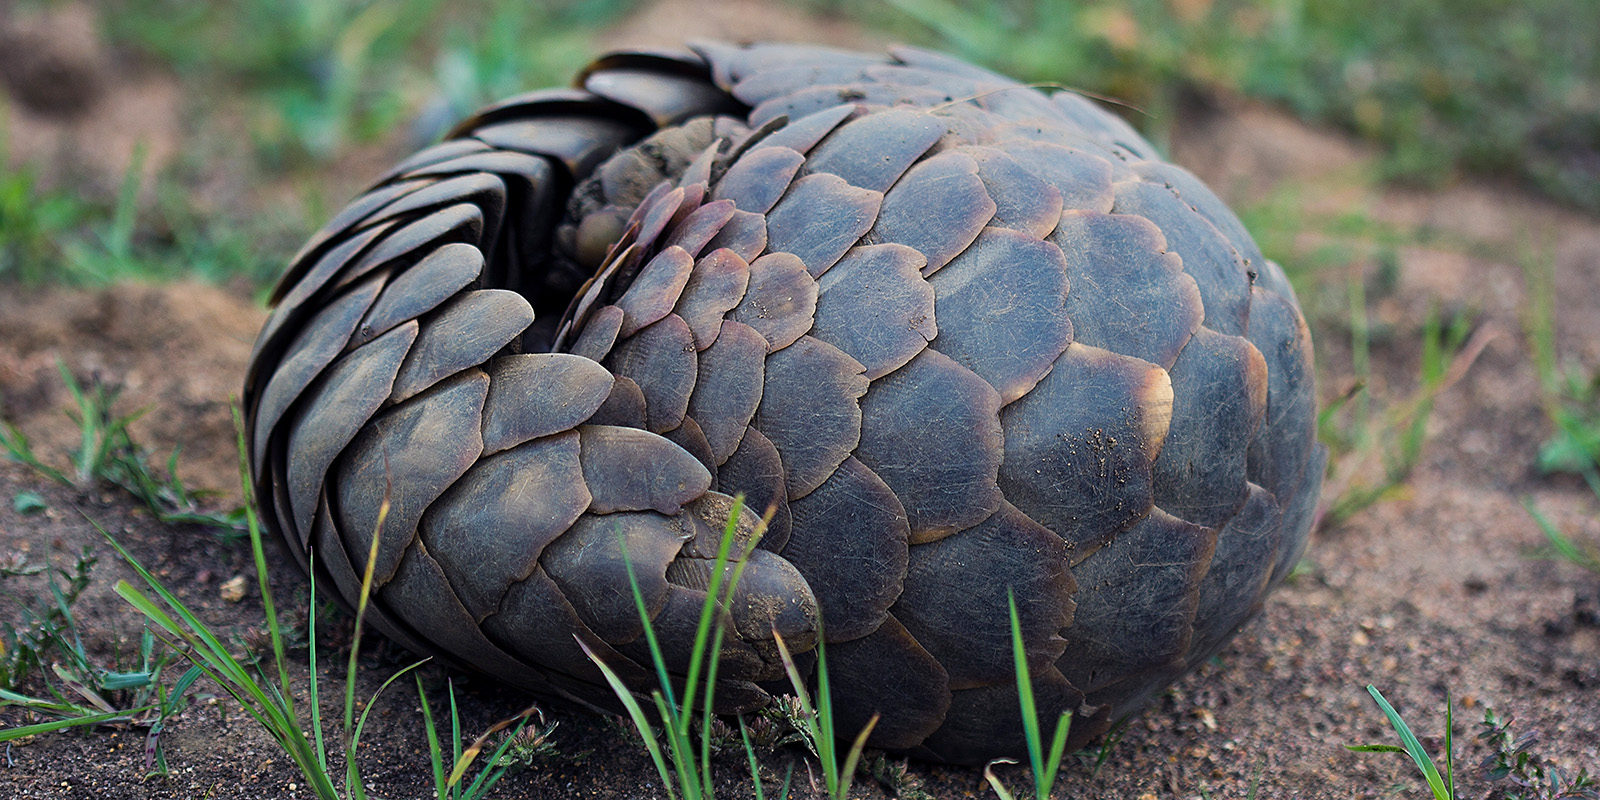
1430, 592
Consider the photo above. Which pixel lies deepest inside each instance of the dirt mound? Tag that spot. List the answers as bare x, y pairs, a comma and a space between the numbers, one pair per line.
177, 352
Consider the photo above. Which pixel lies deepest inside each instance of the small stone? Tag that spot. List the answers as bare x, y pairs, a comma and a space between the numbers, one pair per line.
233, 589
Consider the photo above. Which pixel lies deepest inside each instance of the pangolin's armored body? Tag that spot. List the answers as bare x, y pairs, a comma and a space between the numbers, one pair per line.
961, 336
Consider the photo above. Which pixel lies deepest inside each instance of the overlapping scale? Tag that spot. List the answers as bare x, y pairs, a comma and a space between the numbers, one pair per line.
317, 344
464, 333
627, 469
875, 306
1218, 269
938, 208
1282, 445
1023, 201
1083, 180
1001, 305
982, 721
780, 299
849, 539
1129, 294
716, 285
1219, 395
600, 560
661, 360
960, 613
942, 465
339, 406
540, 394
490, 527
961, 339
873, 151
725, 398
889, 675
1129, 636
418, 290
809, 409
755, 182
1235, 581
421, 447
819, 218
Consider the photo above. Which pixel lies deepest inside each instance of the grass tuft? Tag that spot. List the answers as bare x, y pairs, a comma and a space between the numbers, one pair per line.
269, 698
1531, 776
1443, 787
1044, 768
107, 452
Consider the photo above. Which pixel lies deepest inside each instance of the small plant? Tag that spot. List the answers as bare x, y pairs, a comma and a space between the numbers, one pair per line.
1514, 761
449, 786
41, 627
1572, 403
107, 452
33, 220
1044, 766
819, 726
1443, 787
81, 691
534, 744
1388, 444
677, 763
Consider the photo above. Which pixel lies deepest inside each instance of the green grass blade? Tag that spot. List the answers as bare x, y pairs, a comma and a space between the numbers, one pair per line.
847, 775
636, 713
827, 747
207, 652
681, 748
1449, 747
259, 554
435, 754
1044, 768
361, 725
1058, 749
10, 734
750, 755
649, 630
17, 446
1030, 716
455, 724
361, 613
818, 717
311, 663
1413, 747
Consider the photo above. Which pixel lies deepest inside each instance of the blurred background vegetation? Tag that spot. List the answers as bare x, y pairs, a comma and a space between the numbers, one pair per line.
286, 105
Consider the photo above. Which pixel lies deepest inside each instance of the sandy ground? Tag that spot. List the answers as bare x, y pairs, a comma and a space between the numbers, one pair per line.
1432, 591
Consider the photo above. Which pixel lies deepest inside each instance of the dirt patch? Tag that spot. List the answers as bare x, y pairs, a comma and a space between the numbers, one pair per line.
175, 351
